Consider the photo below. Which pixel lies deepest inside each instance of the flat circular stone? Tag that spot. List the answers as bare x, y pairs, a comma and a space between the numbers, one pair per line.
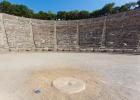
69, 85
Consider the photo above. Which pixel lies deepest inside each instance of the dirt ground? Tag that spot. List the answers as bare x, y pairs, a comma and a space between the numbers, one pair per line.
29, 76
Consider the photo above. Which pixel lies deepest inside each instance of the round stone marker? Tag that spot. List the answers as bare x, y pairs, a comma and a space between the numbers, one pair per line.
69, 85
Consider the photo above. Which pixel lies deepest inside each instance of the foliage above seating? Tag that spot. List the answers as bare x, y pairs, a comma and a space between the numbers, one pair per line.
22, 10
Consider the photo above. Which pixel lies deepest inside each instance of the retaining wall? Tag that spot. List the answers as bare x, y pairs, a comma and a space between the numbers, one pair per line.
115, 33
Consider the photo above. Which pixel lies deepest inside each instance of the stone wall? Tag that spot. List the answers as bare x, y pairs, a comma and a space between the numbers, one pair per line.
3, 38
123, 30
18, 33
43, 34
67, 35
115, 33
91, 33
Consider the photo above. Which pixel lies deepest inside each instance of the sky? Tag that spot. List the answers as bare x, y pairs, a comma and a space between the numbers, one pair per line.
67, 5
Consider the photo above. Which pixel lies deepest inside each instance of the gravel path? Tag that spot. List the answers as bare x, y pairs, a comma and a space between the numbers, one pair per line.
114, 76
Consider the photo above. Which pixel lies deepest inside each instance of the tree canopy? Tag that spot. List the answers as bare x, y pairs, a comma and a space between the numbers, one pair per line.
138, 3
22, 10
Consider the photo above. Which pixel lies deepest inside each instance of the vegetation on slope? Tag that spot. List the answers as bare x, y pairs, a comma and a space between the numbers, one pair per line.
22, 10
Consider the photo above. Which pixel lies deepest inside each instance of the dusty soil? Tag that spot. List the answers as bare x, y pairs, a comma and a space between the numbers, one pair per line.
29, 76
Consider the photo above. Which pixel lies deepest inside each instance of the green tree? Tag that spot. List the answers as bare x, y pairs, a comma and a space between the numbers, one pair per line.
83, 14
108, 9
96, 13
21, 10
124, 8
72, 15
61, 15
5, 6
45, 16
138, 3
41, 15
116, 10
131, 5
51, 16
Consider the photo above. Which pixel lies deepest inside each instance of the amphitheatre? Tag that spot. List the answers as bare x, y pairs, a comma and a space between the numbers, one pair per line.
88, 59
